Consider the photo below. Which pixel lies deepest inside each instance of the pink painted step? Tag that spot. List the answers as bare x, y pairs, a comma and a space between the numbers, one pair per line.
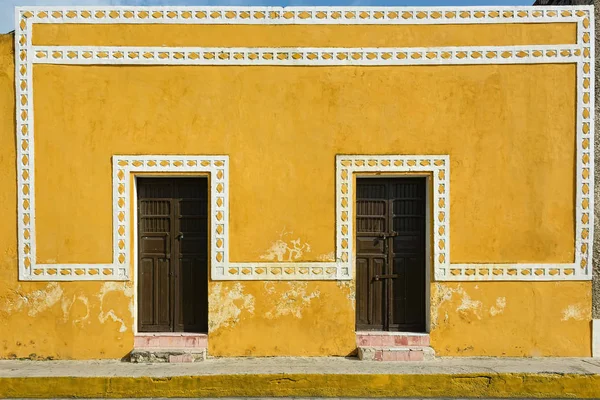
391, 339
381, 353
170, 341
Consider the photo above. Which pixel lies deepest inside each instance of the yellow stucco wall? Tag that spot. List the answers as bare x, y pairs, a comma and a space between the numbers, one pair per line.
508, 129
304, 35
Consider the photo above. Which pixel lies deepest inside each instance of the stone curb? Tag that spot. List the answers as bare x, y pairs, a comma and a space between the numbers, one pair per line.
493, 385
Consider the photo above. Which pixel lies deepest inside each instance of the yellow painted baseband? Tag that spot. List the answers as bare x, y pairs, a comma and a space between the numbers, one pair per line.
309, 385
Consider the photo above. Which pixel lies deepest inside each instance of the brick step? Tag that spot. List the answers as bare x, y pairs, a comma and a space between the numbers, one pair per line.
390, 339
401, 353
170, 341
167, 355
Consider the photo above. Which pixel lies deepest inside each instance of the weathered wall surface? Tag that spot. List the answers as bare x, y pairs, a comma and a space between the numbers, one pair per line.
511, 318
42, 320
508, 129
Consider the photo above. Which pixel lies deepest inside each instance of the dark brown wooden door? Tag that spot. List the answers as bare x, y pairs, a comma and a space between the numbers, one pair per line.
173, 254
390, 254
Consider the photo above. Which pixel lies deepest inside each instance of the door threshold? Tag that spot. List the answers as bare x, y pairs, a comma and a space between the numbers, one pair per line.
171, 334
170, 340
388, 333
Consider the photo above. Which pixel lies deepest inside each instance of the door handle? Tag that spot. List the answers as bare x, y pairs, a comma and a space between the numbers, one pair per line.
180, 236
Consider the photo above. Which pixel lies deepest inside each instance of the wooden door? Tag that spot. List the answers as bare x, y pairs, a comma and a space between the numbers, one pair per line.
390, 254
173, 254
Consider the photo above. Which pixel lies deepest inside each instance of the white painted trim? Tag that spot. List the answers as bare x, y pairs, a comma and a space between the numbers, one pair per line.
317, 56
596, 338
348, 166
218, 169
303, 15
582, 54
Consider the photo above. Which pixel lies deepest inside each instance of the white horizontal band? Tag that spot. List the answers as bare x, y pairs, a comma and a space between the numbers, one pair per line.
318, 56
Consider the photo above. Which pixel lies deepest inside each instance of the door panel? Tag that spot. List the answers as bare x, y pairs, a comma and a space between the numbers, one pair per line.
173, 255
192, 282
362, 293
369, 295
155, 261
146, 291
408, 247
371, 221
390, 254
162, 301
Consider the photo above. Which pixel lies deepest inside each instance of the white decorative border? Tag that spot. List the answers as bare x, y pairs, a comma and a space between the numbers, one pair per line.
81, 55
301, 15
218, 169
27, 54
347, 166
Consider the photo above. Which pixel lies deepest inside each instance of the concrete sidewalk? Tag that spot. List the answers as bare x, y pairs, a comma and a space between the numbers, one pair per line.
307, 377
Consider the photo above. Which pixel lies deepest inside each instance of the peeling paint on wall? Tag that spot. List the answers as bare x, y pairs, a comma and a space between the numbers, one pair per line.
124, 288
285, 249
34, 302
499, 307
444, 293
293, 300
67, 305
226, 303
441, 294
467, 305
269, 287
350, 288
573, 311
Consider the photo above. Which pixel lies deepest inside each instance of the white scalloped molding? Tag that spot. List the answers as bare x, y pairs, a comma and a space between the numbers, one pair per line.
26, 55
218, 169
301, 15
347, 166
80, 55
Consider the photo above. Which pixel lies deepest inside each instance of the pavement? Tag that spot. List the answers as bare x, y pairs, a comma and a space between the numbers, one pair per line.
305, 377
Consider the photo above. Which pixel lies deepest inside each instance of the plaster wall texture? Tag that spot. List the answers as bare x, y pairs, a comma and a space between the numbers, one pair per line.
508, 129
